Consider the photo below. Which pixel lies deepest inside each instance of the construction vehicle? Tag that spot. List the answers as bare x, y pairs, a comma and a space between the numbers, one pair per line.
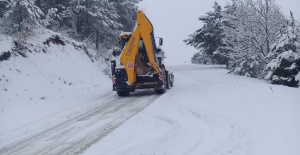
141, 63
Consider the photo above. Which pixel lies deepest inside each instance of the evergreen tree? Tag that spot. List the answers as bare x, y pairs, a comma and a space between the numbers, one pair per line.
126, 10
208, 38
92, 20
24, 15
53, 10
284, 67
229, 26
3, 7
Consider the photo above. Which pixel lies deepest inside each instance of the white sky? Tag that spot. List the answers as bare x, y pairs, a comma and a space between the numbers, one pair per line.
174, 20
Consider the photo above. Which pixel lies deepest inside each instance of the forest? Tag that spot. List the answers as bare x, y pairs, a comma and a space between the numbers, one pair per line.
253, 38
94, 22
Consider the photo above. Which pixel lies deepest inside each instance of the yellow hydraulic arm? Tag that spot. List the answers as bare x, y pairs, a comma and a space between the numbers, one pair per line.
144, 31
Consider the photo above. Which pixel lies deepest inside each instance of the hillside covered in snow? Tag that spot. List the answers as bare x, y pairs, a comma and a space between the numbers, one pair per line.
48, 69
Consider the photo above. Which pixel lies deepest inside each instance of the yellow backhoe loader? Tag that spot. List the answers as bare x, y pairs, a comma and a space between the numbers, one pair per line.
141, 61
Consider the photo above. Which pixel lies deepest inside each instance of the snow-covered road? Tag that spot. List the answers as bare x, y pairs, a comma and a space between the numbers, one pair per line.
207, 112
76, 134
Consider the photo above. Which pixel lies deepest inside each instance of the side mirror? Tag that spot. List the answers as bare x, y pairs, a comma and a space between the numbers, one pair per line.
161, 41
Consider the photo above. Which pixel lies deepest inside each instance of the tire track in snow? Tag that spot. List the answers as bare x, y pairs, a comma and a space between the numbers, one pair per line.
58, 139
212, 135
232, 142
174, 129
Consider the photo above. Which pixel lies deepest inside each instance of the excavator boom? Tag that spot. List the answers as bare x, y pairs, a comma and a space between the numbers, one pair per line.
144, 31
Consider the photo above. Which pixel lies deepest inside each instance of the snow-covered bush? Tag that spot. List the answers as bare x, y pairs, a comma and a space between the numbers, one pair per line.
284, 67
247, 66
200, 58
284, 70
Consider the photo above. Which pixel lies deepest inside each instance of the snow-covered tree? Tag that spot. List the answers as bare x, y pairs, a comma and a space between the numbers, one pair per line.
3, 4
208, 38
249, 28
92, 20
229, 26
200, 58
284, 67
52, 19
127, 10
105, 22
53, 10
24, 15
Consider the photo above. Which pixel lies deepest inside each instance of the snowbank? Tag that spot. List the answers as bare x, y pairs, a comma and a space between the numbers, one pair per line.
6, 43
45, 77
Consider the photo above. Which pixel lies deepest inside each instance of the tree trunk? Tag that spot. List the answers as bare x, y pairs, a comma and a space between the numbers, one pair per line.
38, 3
20, 19
97, 39
77, 24
227, 62
87, 23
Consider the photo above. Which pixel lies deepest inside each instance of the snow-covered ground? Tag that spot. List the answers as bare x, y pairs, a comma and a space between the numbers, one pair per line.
51, 79
60, 102
209, 112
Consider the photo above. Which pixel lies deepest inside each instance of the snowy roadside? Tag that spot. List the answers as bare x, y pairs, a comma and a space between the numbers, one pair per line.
210, 112
52, 80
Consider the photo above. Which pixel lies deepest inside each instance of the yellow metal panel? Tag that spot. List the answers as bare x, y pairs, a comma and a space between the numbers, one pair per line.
144, 30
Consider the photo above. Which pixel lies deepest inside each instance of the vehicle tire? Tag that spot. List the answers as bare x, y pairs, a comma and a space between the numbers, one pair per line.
172, 80
132, 90
159, 91
168, 80
123, 93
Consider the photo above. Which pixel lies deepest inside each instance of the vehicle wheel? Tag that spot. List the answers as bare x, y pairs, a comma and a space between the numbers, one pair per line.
132, 90
168, 80
172, 80
123, 93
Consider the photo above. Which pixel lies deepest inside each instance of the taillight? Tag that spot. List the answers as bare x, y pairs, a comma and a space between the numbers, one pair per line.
160, 76
114, 79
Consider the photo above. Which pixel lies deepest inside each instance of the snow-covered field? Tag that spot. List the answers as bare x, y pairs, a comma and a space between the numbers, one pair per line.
59, 102
211, 113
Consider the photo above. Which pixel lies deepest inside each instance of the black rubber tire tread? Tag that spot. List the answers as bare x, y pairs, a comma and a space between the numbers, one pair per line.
168, 80
123, 93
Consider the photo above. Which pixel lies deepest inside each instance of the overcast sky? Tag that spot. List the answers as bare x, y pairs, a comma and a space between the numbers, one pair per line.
174, 20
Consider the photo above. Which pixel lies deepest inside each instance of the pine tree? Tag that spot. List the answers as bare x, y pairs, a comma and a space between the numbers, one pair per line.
127, 9
209, 37
93, 20
3, 7
24, 15
106, 24
230, 32
284, 67
53, 10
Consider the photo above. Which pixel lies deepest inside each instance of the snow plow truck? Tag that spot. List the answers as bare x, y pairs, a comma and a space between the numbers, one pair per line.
141, 63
